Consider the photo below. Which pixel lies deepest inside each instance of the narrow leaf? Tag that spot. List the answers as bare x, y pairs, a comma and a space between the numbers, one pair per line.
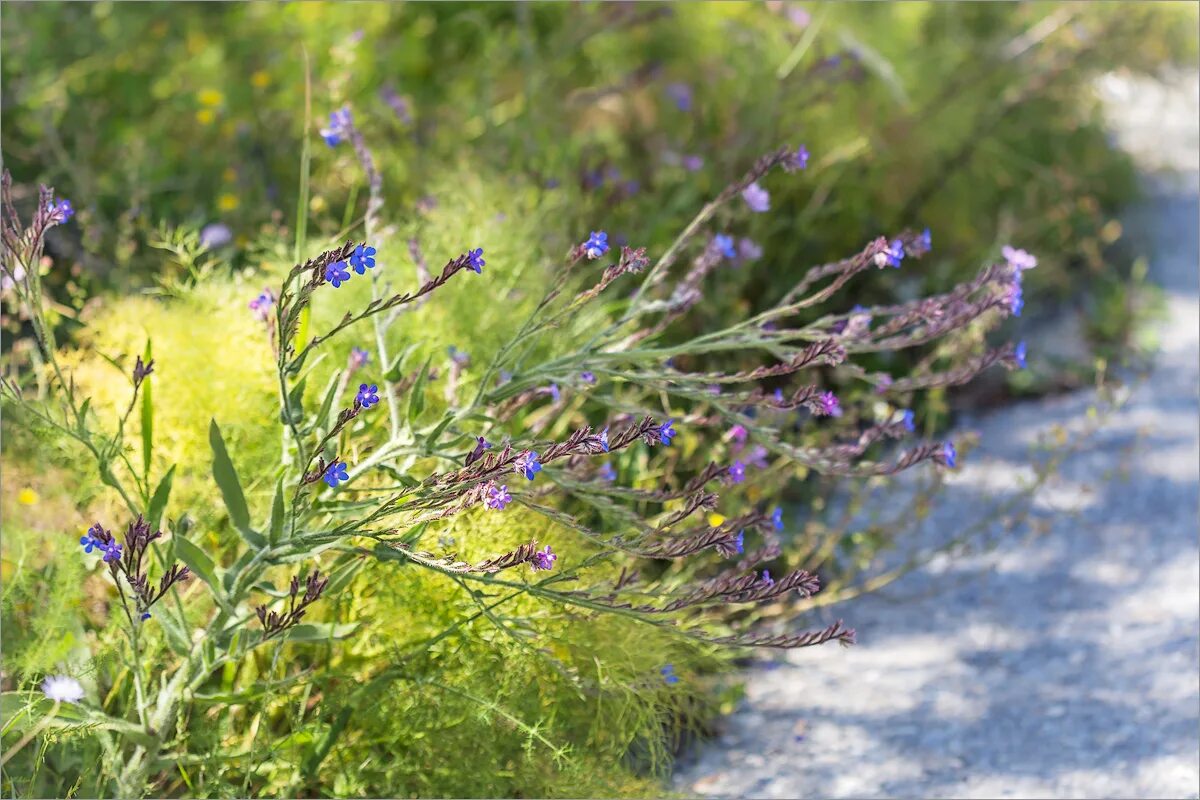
147, 418
275, 528
416, 396
158, 503
231, 488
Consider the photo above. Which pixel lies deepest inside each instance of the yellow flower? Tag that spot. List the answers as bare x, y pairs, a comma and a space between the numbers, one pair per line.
27, 496
205, 116
210, 97
228, 202
716, 520
260, 79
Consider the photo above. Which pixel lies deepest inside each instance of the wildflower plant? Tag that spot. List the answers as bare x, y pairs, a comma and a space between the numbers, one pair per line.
652, 459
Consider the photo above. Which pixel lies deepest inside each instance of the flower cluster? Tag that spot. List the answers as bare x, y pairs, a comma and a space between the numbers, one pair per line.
340, 123
125, 560
276, 622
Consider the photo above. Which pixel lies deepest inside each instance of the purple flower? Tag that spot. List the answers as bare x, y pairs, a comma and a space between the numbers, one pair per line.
766, 578
740, 541
596, 244
665, 432
111, 550
604, 438
757, 198
543, 560
921, 245
587, 376
778, 395
607, 472
367, 395
359, 358
828, 405
497, 497
555, 392
749, 250
398, 104
758, 457
681, 95
91, 540
910, 424
362, 259
261, 305
339, 126
337, 273
949, 454
777, 518
693, 163
60, 211
1015, 295
797, 160
335, 473
724, 243
527, 464
1019, 354
1018, 259
737, 472
668, 674
738, 433
891, 256
215, 235
475, 260
460, 357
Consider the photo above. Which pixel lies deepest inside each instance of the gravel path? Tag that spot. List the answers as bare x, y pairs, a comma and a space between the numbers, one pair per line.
1064, 665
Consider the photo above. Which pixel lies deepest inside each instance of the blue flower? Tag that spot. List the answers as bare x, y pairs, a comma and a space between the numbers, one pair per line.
362, 259
681, 95
1019, 354
724, 243
596, 244
921, 245
666, 433
741, 542
777, 518
339, 127
359, 358
607, 472
587, 376
543, 559
497, 497
1016, 295
527, 464
555, 392
60, 211
475, 260
337, 273
604, 438
949, 454
145, 616
737, 472
766, 578
335, 473
893, 254
90, 542
367, 395
909, 423
668, 674
111, 550
797, 160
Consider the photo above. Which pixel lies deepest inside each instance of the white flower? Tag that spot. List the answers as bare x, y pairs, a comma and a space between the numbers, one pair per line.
62, 689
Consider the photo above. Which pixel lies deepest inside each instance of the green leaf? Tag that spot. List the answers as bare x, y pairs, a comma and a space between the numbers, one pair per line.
158, 503
438, 430
396, 370
25, 709
322, 417
275, 528
200, 565
173, 632
416, 395
320, 632
295, 404
231, 487
147, 418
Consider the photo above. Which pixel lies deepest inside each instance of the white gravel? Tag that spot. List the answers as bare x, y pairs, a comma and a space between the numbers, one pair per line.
1062, 665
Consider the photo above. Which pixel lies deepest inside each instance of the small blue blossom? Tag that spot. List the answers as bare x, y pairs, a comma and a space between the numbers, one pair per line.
749, 250
335, 473
527, 464
828, 405
724, 244
363, 259
921, 245
681, 95
666, 433
337, 273
555, 392
737, 472
1016, 295
145, 616
693, 163
778, 395
910, 424
777, 518
1019, 354
111, 550
596, 244
668, 674
475, 260
587, 376
497, 497
339, 127
741, 542
757, 198
367, 395
766, 578
892, 255
949, 454
607, 472
90, 542
359, 358
797, 160
60, 211
460, 357
604, 438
